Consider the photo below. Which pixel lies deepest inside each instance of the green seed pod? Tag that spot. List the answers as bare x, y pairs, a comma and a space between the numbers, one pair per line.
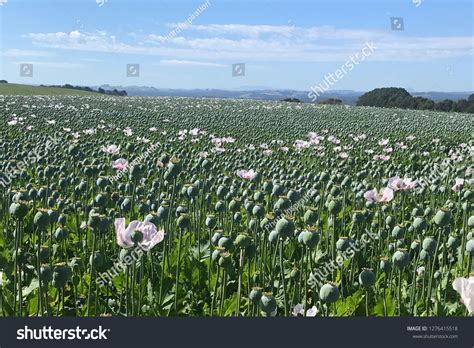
357, 217
398, 232
329, 293
211, 221
334, 207
183, 221
61, 274
285, 227
470, 247
225, 261
385, 265
19, 210
453, 243
367, 278
419, 224
216, 254
268, 304
429, 245
255, 295
94, 221
215, 238
41, 219
401, 258
96, 259
273, 237
310, 238
242, 241
250, 251
442, 218
295, 273
61, 234
470, 222
342, 244
46, 273
227, 243
424, 255
468, 195
310, 216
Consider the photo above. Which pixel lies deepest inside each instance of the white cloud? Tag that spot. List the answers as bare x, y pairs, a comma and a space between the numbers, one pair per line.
26, 53
190, 62
266, 43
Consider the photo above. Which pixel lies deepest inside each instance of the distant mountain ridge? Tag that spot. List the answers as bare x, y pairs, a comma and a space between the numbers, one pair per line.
348, 97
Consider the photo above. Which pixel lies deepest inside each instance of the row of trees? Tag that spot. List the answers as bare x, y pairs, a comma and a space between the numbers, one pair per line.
400, 98
88, 89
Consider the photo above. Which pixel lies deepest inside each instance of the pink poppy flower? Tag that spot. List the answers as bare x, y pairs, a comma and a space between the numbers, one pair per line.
151, 235
383, 142
111, 149
458, 185
383, 197
284, 149
298, 311
246, 174
396, 183
465, 288
128, 132
120, 164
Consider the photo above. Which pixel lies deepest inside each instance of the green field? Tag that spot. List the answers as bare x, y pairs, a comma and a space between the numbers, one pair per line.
17, 89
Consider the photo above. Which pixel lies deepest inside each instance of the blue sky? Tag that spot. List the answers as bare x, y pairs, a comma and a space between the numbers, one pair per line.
285, 44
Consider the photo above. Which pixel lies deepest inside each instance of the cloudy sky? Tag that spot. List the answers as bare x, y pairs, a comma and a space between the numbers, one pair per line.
284, 44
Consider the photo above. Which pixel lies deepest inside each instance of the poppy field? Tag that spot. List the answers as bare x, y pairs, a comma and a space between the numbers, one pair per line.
208, 207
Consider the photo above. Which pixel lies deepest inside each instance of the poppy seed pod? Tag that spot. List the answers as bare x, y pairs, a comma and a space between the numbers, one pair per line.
94, 221
342, 244
258, 211
255, 295
442, 218
273, 237
41, 219
268, 304
357, 217
398, 232
329, 293
385, 265
429, 245
470, 247
470, 221
215, 238
401, 258
61, 274
419, 224
19, 210
225, 261
367, 278
310, 216
183, 221
285, 227
453, 242
237, 217
96, 260
242, 241
234, 205
61, 234
44, 254
163, 211
226, 242
309, 238
46, 273
334, 207
424, 255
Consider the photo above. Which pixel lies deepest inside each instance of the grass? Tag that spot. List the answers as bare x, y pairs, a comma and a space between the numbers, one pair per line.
19, 89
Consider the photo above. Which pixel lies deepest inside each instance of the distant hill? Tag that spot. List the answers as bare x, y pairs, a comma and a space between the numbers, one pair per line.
347, 97
17, 89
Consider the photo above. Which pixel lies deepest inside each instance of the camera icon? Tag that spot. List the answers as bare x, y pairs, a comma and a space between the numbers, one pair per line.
238, 69
397, 23
133, 70
26, 70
